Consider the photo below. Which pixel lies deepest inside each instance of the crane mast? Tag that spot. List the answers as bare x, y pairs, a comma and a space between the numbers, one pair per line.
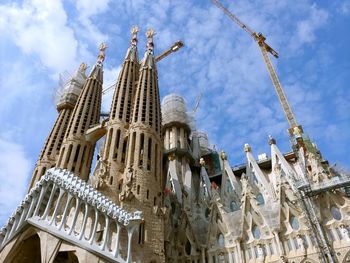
265, 49
325, 252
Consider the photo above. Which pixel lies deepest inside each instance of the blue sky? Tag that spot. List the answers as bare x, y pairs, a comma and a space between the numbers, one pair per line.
40, 39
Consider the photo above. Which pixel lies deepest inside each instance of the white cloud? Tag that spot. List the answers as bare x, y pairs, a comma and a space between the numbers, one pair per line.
345, 7
39, 27
87, 9
15, 168
306, 28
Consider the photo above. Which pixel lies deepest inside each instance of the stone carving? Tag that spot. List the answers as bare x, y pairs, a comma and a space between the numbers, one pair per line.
127, 193
344, 232
301, 245
260, 252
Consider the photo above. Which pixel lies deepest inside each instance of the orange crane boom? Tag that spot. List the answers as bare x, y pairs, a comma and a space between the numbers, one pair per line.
265, 49
175, 47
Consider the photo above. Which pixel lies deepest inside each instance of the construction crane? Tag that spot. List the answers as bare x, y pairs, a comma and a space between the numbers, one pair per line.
304, 191
175, 47
265, 49
198, 99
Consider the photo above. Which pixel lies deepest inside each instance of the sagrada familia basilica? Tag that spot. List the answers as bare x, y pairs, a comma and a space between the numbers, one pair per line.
160, 193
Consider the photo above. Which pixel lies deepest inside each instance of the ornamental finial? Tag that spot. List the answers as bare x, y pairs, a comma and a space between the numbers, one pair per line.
83, 67
134, 30
101, 56
223, 155
201, 162
150, 34
271, 140
247, 148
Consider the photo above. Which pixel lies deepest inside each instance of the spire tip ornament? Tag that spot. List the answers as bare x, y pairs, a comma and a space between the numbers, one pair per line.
271, 140
150, 34
223, 155
247, 148
134, 30
101, 56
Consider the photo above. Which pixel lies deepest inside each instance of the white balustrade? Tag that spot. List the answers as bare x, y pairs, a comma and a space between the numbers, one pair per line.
48, 206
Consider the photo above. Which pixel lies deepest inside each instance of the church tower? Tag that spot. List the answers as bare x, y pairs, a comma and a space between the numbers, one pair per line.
77, 152
114, 152
143, 183
49, 155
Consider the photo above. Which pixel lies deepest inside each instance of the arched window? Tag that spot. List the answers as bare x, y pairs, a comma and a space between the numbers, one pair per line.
142, 233
256, 232
260, 199
335, 213
66, 256
188, 247
221, 240
207, 212
294, 222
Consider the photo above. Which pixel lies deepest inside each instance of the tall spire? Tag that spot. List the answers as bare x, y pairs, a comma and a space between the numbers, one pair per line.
142, 181
76, 153
49, 155
114, 152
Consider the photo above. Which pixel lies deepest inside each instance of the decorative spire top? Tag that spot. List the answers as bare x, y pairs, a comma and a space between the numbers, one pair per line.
83, 67
134, 30
247, 148
223, 155
149, 34
271, 140
201, 162
101, 56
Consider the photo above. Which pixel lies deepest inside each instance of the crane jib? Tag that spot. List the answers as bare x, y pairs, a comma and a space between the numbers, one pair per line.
265, 49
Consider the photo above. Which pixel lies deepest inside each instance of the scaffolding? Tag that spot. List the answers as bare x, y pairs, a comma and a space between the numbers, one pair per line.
314, 189
69, 87
305, 191
174, 110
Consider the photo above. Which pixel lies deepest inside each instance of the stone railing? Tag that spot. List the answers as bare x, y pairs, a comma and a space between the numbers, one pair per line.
72, 210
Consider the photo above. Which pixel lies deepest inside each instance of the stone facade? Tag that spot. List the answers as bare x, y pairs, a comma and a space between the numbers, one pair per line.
160, 193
